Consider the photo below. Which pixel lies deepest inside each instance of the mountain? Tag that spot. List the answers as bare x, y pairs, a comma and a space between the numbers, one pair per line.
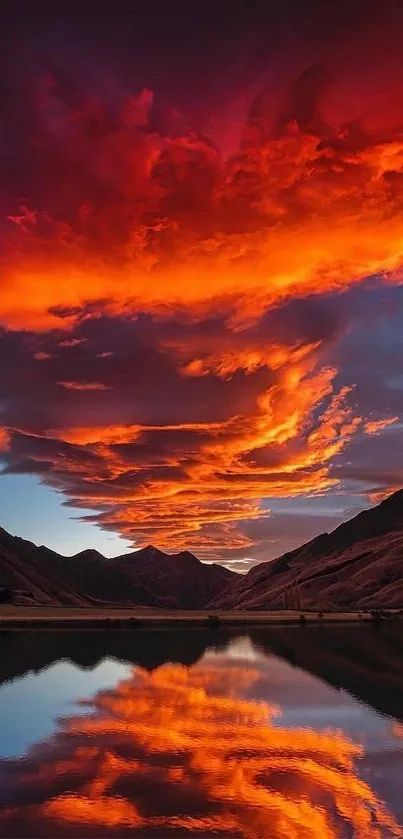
148, 577
26, 578
357, 566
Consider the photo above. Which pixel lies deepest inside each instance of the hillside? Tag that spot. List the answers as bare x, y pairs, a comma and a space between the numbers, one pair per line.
357, 566
147, 577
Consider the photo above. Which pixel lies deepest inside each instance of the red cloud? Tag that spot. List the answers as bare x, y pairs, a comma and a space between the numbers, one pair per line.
133, 217
82, 385
193, 482
375, 426
4, 440
175, 456
157, 376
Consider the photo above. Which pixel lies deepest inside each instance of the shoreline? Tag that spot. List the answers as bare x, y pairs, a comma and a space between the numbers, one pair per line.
42, 617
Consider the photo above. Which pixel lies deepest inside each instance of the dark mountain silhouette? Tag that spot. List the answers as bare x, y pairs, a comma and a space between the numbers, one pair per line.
147, 577
357, 566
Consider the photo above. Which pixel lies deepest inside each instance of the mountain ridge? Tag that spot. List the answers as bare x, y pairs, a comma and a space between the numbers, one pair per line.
358, 565
148, 577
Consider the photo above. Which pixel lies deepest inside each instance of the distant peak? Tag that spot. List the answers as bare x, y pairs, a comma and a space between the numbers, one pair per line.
149, 550
188, 555
89, 553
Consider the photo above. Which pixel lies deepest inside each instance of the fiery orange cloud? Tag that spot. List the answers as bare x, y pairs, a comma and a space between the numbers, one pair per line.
380, 495
83, 385
293, 212
146, 266
193, 483
345, 234
375, 426
226, 363
4, 439
222, 767
215, 475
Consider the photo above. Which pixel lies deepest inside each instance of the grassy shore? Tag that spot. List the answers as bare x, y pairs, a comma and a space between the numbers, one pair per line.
24, 617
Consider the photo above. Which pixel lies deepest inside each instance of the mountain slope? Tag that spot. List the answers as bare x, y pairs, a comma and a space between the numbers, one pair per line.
357, 566
146, 578
195, 583
20, 575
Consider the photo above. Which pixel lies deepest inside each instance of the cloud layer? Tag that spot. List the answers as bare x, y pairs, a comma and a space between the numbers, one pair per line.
180, 283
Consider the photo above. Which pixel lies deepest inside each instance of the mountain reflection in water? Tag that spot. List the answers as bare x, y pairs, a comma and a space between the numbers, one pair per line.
181, 751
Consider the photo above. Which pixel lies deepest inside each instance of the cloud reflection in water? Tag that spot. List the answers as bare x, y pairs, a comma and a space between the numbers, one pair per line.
181, 750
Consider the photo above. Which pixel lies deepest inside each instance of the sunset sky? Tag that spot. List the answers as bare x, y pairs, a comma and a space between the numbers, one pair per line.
201, 301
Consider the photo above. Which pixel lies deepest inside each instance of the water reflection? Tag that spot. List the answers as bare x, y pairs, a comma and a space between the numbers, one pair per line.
24, 652
367, 661
184, 750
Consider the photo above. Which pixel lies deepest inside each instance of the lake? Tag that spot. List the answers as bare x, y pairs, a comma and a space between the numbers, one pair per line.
261, 733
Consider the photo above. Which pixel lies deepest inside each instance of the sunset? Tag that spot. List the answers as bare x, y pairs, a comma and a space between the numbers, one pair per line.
200, 294
201, 419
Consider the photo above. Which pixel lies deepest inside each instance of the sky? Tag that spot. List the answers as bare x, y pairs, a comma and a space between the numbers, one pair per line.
201, 300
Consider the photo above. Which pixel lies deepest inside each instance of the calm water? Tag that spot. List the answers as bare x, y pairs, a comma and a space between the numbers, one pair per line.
273, 733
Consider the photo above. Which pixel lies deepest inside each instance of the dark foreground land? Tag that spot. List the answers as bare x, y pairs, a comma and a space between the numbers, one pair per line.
24, 617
